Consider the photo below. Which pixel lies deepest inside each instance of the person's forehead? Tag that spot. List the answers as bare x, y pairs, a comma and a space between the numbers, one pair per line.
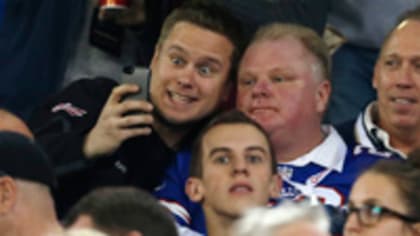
405, 35
195, 34
378, 188
283, 52
234, 135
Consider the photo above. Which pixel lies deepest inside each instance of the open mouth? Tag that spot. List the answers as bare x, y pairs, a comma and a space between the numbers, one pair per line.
181, 99
241, 189
403, 101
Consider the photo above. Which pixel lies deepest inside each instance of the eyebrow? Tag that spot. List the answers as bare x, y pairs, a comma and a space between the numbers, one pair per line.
206, 58
248, 149
219, 149
256, 148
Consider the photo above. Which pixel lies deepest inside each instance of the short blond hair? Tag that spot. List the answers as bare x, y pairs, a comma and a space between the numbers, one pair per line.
309, 39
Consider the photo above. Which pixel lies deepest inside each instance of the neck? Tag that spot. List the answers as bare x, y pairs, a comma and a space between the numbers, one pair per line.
170, 135
219, 225
405, 139
289, 146
35, 226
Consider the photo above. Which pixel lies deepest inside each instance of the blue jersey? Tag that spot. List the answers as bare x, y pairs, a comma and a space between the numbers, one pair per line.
329, 180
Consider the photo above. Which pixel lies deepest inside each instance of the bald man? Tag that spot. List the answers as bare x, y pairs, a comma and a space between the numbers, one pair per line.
11, 122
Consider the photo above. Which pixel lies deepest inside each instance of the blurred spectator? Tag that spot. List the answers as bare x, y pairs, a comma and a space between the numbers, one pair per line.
392, 122
385, 200
255, 13
83, 232
287, 219
364, 25
35, 40
1, 12
105, 46
121, 211
26, 176
10, 122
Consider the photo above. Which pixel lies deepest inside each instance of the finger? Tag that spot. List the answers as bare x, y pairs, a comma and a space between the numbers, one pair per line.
120, 91
133, 106
133, 132
135, 120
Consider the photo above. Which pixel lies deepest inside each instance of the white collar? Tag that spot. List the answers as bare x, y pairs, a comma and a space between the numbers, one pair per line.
365, 127
330, 153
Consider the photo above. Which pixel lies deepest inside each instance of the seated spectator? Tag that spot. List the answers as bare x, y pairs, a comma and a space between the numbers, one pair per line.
26, 176
121, 211
97, 138
232, 169
363, 24
392, 122
105, 44
287, 219
283, 84
11, 122
35, 42
385, 200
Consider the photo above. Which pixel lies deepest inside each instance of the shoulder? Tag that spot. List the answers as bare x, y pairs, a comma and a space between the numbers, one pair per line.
368, 153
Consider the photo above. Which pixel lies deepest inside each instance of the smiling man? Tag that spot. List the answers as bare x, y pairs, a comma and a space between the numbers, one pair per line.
95, 137
392, 122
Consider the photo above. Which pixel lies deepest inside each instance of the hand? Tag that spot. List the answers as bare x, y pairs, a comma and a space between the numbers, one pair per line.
113, 127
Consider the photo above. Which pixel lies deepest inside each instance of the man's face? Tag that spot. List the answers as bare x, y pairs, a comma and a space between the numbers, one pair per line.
397, 78
237, 171
280, 85
190, 72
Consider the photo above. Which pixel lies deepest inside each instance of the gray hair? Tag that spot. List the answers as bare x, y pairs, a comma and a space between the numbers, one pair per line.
265, 221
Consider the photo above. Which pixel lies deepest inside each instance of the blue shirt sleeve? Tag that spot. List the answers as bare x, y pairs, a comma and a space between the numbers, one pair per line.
171, 194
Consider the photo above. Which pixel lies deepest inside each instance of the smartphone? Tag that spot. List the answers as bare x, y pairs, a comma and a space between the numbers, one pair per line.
139, 76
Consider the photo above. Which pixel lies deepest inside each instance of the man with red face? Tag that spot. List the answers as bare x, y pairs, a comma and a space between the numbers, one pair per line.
392, 122
95, 137
283, 84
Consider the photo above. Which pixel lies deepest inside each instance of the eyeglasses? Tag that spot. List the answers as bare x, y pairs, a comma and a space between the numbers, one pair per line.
370, 214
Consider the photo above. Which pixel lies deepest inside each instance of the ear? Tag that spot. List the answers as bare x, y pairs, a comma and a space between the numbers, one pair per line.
194, 189
155, 57
323, 95
376, 74
8, 194
275, 186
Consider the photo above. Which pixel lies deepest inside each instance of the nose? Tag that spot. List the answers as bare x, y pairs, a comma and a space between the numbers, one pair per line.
261, 88
405, 77
186, 78
352, 225
239, 166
